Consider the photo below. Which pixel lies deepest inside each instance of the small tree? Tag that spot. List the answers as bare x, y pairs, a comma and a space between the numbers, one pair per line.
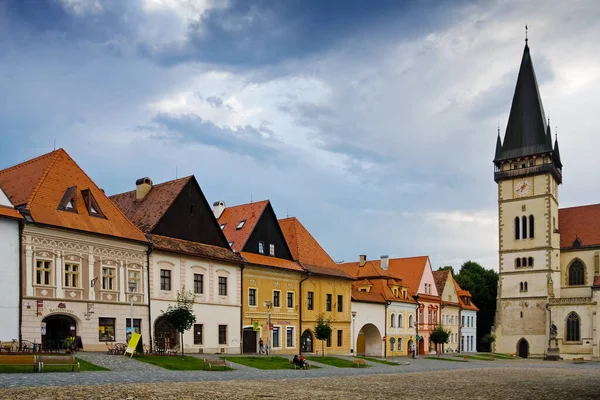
489, 339
323, 330
180, 316
439, 336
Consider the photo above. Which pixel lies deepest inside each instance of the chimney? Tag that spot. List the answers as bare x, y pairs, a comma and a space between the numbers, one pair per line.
385, 262
142, 187
362, 260
218, 208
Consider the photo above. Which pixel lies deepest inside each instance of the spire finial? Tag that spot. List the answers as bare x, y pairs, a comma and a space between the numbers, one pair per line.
556, 133
526, 39
498, 128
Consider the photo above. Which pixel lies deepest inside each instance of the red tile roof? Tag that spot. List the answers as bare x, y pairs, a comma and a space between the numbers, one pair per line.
461, 292
147, 212
367, 297
9, 212
440, 278
259, 259
371, 269
40, 184
232, 216
579, 222
194, 249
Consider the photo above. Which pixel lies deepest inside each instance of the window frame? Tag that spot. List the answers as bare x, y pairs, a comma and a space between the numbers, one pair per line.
573, 327
287, 337
290, 299
224, 342
137, 325
310, 300
111, 278
576, 277
199, 282
45, 272
328, 301
340, 303
276, 333
165, 279
222, 285
252, 299
134, 275
340, 338
102, 322
261, 247
276, 298
200, 341
72, 275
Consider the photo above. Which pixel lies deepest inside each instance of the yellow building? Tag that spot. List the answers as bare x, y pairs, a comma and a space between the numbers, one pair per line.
450, 309
325, 290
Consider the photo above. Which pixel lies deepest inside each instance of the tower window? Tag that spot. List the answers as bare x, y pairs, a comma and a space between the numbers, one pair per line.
518, 263
517, 228
523, 165
531, 226
530, 261
531, 163
524, 219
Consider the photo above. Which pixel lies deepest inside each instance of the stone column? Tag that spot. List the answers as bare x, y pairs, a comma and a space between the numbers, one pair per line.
28, 270
122, 282
60, 294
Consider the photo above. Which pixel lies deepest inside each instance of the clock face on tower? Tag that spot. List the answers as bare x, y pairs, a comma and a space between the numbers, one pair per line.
523, 187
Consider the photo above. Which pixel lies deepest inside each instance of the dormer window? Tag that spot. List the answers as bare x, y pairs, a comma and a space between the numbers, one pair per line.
261, 247
69, 205
91, 204
272, 249
68, 201
241, 224
231, 244
223, 226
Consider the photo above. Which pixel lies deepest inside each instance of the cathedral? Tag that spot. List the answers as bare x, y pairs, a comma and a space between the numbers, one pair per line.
549, 277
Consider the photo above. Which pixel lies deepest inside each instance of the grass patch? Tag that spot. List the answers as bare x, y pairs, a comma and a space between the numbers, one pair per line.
377, 360
177, 363
84, 366
271, 362
333, 361
445, 359
503, 356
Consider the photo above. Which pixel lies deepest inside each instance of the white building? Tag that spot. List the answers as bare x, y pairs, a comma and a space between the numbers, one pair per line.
9, 269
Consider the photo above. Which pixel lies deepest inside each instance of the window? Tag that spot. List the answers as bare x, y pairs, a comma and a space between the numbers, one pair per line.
576, 273
198, 329
410, 321
223, 226
106, 329
340, 335
429, 316
399, 320
251, 297
340, 303
523, 286
328, 302
290, 299
399, 344
90, 203
198, 283
276, 298
222, 286
530, 261
241, 224
137, 325
135, 278
71, 275
276, 337
517, 228
573, 325
328, 341
463, 321
515, 166
272, 249
518, 263
231, 245
310, 300
524, 230
531, 163
531, 226
43, 272
222, 334
165, 279
108, 278
261, 247
289, 337
393, 320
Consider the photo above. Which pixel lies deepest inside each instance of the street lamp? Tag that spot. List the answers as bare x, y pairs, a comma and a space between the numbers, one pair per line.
132, 288
269, 305
416, 297
353, 331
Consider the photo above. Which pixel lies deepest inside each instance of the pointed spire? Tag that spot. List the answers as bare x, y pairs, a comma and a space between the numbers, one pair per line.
556, 152
526, 129
498, 145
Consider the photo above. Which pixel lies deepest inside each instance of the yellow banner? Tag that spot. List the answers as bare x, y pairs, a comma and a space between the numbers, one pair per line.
133, 342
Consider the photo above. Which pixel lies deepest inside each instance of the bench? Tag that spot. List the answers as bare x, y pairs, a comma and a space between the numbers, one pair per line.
68, 361
216, 362
296, 366
22, 361
578, 360
358, 362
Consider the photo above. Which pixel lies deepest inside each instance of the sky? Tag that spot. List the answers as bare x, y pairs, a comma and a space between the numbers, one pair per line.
374, 123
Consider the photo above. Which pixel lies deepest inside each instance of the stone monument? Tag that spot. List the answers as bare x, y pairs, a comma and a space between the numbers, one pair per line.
553, 353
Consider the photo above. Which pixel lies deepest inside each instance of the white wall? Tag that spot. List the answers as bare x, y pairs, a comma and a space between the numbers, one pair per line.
469, 331
9, 284
369, 313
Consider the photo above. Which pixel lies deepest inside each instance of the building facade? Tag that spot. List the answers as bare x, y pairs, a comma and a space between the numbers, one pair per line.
450, 309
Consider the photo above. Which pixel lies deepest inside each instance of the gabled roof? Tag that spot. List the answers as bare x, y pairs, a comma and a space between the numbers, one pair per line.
440, 278
260, 259
231, 218
371, 269
461, 293
581, 222
40, 185
526, 129
303, 245
410, 269
194, 249
367, 297
147, 212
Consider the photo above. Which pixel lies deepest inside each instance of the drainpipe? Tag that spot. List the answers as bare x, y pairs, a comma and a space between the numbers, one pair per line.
21, 226
242, 308
300, 313
459, 330
387, 304
150, 249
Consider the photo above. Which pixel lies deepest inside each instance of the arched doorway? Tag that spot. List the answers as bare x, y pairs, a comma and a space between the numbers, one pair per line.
165, 336
369, 341
409, 346
523, 348
421, 346
249, 340
307, 341
58, 328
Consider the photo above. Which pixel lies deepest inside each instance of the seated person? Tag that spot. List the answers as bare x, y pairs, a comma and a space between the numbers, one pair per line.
296, 361
303, 361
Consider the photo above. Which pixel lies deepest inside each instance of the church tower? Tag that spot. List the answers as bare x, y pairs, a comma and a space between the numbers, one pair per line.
528, 171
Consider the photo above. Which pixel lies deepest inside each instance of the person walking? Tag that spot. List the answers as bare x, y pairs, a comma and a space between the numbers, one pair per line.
261, 346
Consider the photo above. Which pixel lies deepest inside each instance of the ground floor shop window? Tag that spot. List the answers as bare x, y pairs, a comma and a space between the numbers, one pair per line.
276, 337
222, 334
339, 338
137, 325
290, 337
106, 329
198, 333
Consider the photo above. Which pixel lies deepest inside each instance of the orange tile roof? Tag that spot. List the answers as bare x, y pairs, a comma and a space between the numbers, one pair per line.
461, 292
371, 269
440, 278
259, 259
579, 222
363, 282
303, 245
232, 216
194, 249
147, 212
410, 269
9, 212
40, 184
367, 297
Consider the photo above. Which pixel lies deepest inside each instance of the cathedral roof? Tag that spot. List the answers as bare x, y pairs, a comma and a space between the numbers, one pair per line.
526, 132
578, 226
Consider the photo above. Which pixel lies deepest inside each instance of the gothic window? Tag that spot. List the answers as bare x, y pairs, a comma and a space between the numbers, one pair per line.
521, 286
525, 286
576, 273
393, 320
530, 261
518, 263
573, 327
399, 320
524, 220
531, 229
517, 228
524, 261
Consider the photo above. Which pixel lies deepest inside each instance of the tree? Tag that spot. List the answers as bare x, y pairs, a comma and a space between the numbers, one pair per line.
323, 330
483, 285
447, 268
180, 316
489, 339
439, 335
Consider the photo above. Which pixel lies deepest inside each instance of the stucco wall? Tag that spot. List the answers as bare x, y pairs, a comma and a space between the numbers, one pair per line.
9, 284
